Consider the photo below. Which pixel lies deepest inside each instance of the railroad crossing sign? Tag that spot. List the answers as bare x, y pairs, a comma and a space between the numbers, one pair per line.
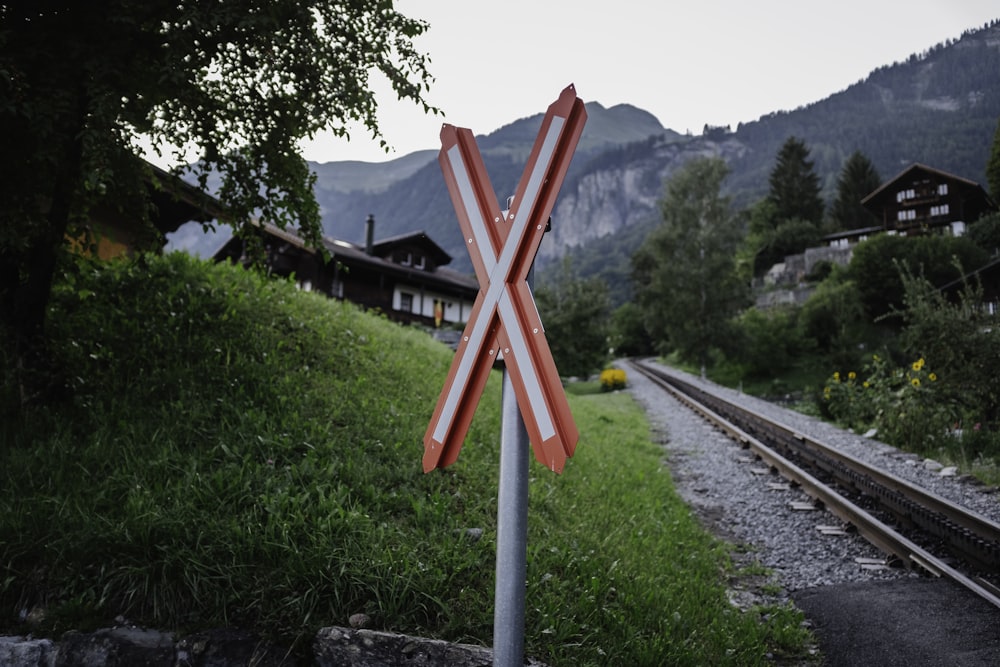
504, 322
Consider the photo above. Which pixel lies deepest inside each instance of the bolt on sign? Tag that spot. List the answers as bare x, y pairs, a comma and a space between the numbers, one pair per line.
504, 322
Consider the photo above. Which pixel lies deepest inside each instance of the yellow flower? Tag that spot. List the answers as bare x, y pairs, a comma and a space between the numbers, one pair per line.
836, 376
865, 384
932, 377
852, 375
915, 382
918, 364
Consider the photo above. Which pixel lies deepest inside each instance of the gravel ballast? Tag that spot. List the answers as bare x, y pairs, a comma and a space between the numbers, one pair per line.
741, 500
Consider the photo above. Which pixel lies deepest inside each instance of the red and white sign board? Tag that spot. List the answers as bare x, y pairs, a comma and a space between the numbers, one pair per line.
504, 319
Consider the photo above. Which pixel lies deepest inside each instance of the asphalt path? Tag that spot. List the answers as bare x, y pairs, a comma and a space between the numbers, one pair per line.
904, 622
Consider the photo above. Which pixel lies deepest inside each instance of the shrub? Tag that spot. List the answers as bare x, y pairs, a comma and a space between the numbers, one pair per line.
848, 400
903, 404
612, 379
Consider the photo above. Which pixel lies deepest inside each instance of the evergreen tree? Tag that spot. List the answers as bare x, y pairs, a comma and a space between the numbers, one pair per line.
857, 180
993, 166
685, 274
794, 185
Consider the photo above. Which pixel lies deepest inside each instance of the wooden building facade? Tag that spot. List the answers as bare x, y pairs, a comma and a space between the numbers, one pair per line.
114, 233
921, 200
405, 277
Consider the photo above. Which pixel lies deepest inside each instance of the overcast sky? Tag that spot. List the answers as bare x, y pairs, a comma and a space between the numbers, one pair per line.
689, 63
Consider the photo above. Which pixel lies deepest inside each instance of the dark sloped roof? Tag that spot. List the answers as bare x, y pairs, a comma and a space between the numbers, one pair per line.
178, 202
353, 254
434, 251
917, 167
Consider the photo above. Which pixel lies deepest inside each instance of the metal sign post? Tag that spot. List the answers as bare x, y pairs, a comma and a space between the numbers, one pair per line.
504, 323
512, 535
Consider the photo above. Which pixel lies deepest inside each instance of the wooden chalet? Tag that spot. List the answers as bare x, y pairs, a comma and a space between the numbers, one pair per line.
175, 202
922, 200
403, 277
919, 200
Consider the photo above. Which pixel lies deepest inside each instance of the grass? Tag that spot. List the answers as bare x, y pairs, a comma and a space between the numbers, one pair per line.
234, 452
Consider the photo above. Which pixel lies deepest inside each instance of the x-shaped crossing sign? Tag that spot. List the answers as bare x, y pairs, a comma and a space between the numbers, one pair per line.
504, 320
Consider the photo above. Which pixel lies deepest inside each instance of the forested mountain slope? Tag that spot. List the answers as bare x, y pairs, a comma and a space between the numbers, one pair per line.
939, 108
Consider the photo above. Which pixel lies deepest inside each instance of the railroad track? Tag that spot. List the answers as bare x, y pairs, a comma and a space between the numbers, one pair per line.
919, 528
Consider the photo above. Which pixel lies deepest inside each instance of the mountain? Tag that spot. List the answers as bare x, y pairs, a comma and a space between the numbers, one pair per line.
419, 200
939, 108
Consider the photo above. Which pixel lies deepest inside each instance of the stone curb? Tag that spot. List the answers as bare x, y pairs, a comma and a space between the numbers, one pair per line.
331, 647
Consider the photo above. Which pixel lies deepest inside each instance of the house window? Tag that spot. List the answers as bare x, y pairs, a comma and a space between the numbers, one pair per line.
943, 189
406, 302
420, 262
407, 259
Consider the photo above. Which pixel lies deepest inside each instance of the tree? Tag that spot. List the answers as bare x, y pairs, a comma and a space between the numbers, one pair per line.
241, 82
685, 273
954, 332
986, 233
993, 166
629, 337
834, 318
876, 264
787, 221
576, 314
794, 185
857, 180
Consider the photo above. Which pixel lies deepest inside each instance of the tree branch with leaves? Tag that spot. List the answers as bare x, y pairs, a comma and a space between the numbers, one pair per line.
241, 83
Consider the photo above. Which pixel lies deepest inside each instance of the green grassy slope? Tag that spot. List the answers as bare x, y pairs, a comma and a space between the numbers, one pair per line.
236, 452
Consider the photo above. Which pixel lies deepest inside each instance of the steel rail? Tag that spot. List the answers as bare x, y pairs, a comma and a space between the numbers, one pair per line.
975, 537
868, 526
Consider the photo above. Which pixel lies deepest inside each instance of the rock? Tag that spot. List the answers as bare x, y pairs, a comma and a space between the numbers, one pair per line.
340, 647
332, 646
26, 651
229, 647
117, 647
932, 465
358, 621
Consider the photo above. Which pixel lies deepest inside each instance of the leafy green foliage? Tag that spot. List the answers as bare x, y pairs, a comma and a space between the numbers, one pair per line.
986, 233
993, 166
955, 331
629, 336
236, 452
685, 273
576, 315
903, 404
240, 84
834, 318
769, 341
875, 266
